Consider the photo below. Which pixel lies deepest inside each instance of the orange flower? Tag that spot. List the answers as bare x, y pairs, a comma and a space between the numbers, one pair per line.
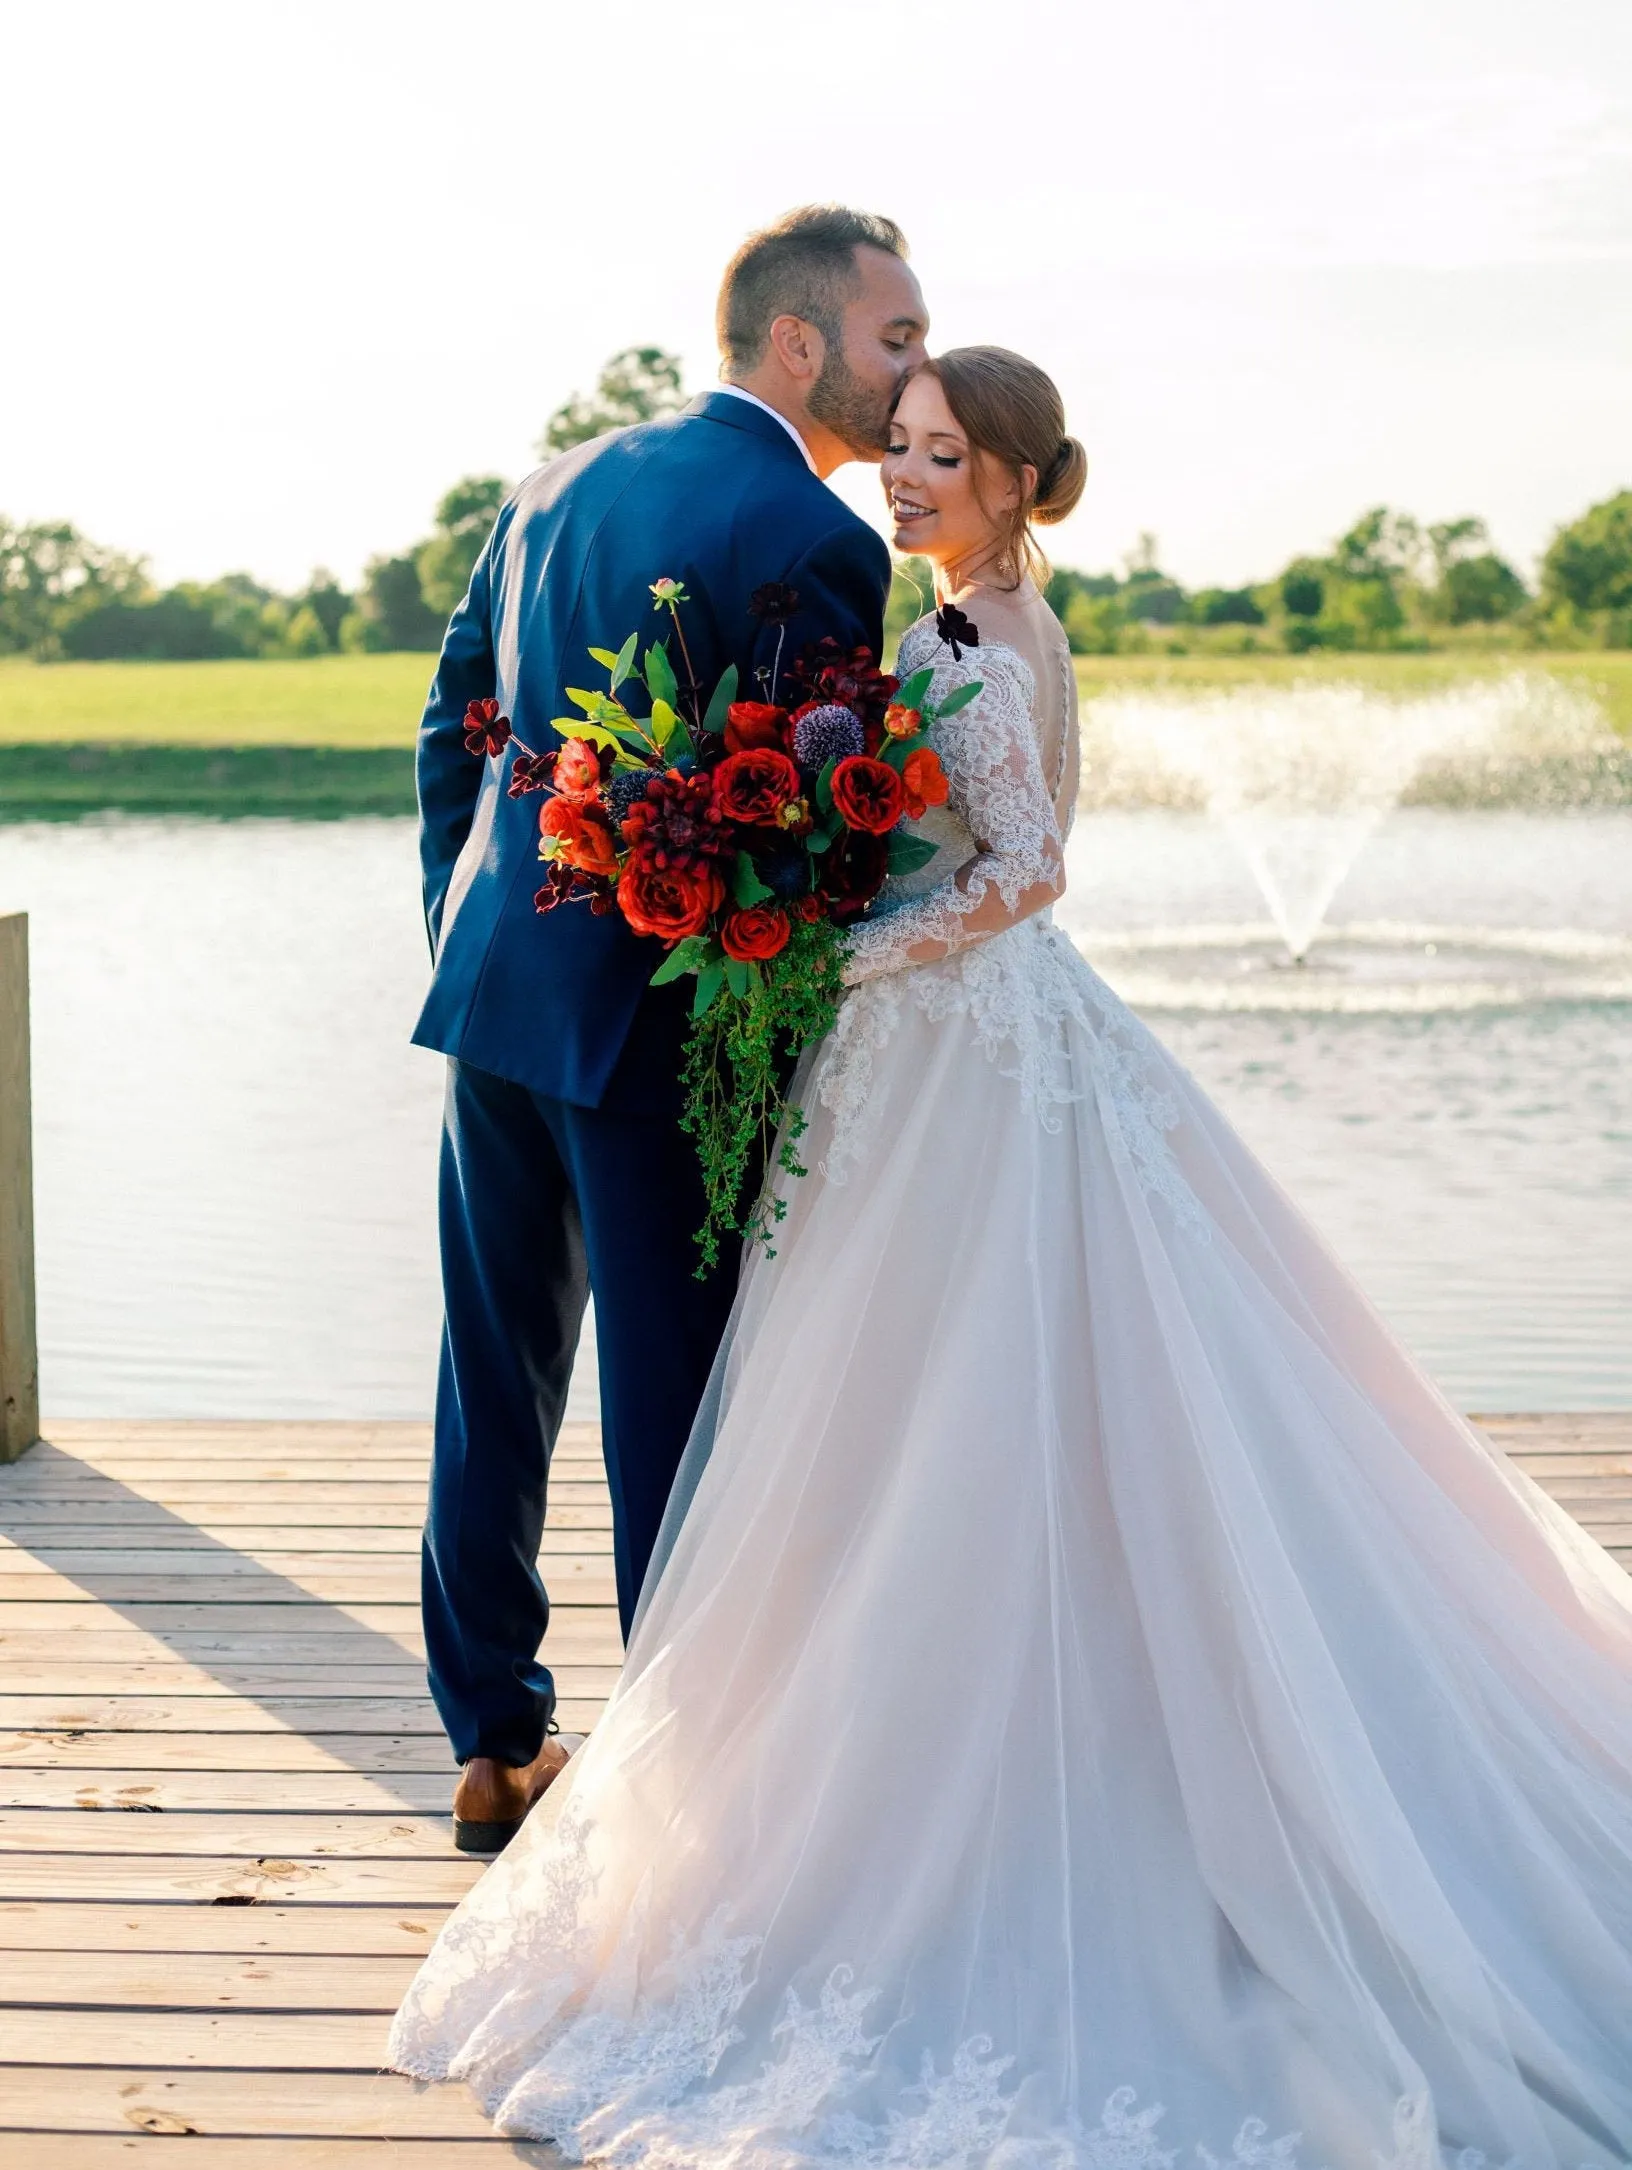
758, 932
582, 839
923, 780
577, 772
903, 722
751, 724
670, 902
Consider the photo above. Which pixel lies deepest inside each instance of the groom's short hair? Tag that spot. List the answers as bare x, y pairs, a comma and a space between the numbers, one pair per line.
804, 266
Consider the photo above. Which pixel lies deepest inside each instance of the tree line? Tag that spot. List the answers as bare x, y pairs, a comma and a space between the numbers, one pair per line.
1389, 582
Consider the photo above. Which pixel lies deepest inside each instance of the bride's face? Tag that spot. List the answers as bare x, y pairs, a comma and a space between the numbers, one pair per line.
930, 478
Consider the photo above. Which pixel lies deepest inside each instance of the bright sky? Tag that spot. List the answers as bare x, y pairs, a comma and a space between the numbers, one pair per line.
286, 273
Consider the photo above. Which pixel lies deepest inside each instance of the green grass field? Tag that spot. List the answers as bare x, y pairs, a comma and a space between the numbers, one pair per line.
353, 701
334, 736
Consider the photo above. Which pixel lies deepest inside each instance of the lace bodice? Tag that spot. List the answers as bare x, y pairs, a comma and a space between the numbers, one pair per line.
971, 934
999, 850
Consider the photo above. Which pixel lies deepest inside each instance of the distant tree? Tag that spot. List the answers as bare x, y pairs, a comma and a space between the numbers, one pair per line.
464, 520
1226, 606
637, 385
1588, 566
51, 573
1303, 589
392, 612
1472, 584
1381, 546
1095, 625
328, 603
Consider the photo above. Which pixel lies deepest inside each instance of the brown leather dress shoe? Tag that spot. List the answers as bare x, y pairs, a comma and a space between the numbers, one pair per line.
491, 1800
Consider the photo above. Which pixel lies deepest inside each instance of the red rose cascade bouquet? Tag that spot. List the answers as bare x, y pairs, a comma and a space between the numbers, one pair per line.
745, 836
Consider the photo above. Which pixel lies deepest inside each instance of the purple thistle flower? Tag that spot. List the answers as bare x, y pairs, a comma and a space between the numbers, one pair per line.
829, 733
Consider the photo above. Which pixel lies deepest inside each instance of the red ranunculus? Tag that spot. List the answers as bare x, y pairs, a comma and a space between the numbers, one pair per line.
670, 902
759, 932
755, 785
868, 794
751, 724
583, 839
806, 908
923, 780
577, 772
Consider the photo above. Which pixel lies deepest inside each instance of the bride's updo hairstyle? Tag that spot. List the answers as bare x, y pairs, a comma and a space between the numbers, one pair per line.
1009, 409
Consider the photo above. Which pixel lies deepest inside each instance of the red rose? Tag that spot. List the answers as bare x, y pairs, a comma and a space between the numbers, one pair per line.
868, 794
751, 724
923, 781
853, 871
757, 933
670, 902
755, 785
583, 839
806, 908
577, 773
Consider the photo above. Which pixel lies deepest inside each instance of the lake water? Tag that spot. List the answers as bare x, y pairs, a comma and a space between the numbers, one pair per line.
235, 1145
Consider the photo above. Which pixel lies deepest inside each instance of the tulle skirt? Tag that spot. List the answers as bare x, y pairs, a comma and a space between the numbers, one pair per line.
1101, 1706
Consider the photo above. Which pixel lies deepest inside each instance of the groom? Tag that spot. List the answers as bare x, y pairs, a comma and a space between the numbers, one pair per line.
564, 1171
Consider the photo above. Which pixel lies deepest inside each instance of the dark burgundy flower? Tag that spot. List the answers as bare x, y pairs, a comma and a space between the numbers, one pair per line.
677, 822
530, 772
774, 603
486, 731
853, 872
956, 630
565, 884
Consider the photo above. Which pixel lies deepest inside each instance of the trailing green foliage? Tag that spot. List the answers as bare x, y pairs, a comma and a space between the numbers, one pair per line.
749, 1023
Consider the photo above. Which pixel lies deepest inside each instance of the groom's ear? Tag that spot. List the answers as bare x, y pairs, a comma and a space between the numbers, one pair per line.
799, 346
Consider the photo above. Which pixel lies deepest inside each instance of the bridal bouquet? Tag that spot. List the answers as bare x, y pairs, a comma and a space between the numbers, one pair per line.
744, 835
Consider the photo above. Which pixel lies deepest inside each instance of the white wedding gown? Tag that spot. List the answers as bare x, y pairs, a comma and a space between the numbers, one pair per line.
1103, 1709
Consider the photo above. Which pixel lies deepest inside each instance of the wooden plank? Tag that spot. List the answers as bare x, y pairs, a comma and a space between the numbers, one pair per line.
588, 1579
251, 2041
161, 2146
171, 1677
380, 1753
19, 1354
118, 2099
248, 1616
206, 1981
287, 1555
143, 1790
219, 1714
582, 1635
406, 1836
46, 1925
229, 1879
236, 1522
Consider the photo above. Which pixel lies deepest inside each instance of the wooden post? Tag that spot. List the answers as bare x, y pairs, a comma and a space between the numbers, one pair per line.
19, 1360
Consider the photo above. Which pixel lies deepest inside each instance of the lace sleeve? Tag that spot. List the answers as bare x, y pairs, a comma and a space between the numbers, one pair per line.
995, 773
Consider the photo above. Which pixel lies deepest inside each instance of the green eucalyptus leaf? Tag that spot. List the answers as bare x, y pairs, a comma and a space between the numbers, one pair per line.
960, 697
724, 694
910, 693
624, 661
686, 956
709, 982
818, 840
596, 733
824, 788
664, 722
746, 885
736, 977
909, 853
605, 658
680, 746
588, 702
660, 679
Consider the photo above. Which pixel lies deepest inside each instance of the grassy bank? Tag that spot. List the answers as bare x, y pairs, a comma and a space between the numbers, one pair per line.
358, 701
334, 735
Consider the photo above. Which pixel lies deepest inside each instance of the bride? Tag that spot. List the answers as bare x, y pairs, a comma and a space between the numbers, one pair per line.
1099, 1707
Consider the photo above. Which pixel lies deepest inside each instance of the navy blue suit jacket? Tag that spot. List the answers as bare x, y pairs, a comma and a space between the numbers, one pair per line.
719, 497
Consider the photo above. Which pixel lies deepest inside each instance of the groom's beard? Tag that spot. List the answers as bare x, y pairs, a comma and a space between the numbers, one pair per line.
857, 415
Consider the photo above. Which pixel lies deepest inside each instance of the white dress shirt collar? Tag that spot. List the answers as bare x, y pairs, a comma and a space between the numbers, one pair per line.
736, 391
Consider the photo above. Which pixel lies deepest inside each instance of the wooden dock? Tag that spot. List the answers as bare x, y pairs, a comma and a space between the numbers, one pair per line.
224, 1841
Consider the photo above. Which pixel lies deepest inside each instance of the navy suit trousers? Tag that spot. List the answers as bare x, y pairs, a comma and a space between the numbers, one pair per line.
538, 1199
